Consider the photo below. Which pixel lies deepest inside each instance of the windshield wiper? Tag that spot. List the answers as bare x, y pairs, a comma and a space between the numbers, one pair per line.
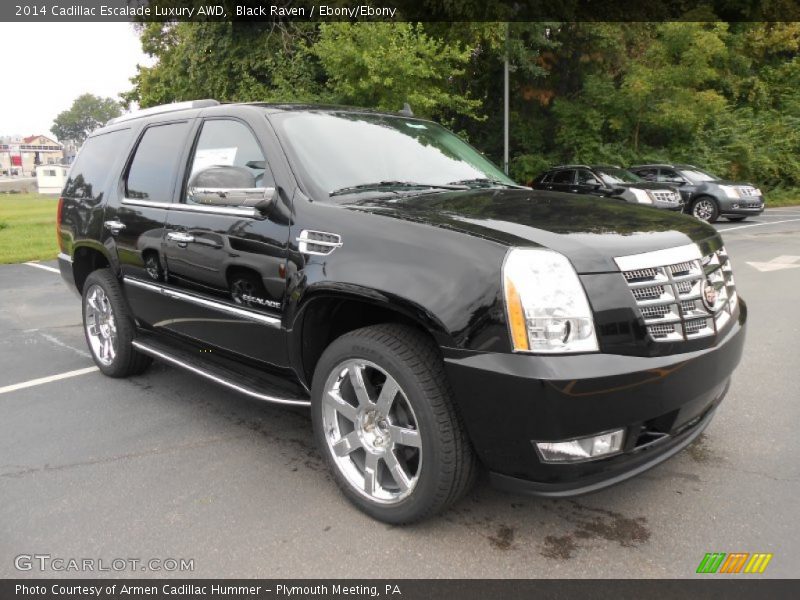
393, 185
486, 182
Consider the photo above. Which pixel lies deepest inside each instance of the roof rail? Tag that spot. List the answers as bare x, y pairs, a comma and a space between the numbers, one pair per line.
571, 167
165, 108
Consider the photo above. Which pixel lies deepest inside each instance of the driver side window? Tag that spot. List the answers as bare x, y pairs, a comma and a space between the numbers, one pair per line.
225, 142
669, 176
587, 178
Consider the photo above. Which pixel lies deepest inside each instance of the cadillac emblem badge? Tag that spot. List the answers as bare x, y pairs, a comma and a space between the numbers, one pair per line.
709, 295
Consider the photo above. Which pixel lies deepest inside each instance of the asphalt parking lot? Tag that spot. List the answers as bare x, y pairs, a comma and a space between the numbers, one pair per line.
167, 465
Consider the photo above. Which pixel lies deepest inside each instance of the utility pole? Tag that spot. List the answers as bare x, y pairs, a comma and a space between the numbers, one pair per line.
505, 106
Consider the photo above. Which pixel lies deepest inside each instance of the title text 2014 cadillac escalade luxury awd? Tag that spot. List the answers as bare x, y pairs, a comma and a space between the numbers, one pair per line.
435, 316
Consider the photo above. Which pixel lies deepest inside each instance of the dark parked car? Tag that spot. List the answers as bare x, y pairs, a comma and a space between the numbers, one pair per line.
434, 316
609, 181
706, 197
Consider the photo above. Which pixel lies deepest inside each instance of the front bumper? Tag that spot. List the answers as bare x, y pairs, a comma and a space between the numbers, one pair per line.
753, 205
508, 401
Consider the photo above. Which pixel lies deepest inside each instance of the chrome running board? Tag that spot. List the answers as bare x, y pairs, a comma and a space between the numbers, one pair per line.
217, 374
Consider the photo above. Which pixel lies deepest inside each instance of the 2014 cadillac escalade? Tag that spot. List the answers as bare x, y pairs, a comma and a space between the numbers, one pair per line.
436, 317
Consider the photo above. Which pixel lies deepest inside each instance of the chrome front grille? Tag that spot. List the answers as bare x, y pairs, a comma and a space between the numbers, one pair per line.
666, 196
673, 290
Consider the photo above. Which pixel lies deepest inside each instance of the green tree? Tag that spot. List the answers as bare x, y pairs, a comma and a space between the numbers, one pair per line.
87, 113
383, 65
233, 62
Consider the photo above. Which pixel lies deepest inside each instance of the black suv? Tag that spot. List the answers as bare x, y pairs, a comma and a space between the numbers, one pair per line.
608, 181
706, 197
432, 314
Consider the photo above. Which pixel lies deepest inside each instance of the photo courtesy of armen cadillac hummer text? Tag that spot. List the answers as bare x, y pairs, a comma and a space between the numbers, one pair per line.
435, 317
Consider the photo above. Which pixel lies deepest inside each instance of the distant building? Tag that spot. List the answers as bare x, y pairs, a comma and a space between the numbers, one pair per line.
21, 155
50, 179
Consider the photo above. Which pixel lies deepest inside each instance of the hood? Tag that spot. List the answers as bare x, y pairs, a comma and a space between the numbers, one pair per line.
588, 230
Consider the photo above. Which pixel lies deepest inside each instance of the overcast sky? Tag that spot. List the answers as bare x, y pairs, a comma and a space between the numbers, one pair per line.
45, 66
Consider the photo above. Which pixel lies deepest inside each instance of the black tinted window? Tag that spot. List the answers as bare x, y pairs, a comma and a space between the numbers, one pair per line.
669, 175
587, 177
92, 168
230, 143
647, 174
563, 177
151, 175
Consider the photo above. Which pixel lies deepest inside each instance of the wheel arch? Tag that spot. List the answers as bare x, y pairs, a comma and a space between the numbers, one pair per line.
326, 315
87, 258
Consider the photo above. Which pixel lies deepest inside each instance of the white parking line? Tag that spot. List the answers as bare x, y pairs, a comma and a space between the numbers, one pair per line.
42, 380
727, 229
41, 266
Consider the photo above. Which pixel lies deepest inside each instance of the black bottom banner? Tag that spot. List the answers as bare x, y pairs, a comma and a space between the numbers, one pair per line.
405, 589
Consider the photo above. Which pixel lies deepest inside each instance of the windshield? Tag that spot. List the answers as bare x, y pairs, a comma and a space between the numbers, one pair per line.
697, 176
617, 176
340, 152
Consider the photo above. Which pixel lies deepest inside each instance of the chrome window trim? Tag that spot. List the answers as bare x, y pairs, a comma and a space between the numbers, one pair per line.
226, 308
232, 211
142, 347
659, 258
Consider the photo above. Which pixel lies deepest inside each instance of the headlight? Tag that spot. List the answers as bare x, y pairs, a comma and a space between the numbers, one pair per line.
730, 191
546, 305
642, 197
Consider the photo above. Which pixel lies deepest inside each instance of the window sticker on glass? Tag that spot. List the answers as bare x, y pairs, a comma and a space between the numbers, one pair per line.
212, 157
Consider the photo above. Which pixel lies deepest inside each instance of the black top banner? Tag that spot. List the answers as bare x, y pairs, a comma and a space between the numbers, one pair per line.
398, 10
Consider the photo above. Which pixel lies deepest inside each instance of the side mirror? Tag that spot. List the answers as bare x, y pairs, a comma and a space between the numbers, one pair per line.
229, 186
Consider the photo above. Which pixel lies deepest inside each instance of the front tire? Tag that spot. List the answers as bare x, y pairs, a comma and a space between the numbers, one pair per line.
109, 327
705, 208
386, 423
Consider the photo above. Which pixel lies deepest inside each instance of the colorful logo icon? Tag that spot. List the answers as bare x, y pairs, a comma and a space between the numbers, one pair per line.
734, 562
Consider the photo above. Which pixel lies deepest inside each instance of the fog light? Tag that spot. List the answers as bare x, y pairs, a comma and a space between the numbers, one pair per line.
734, 205
596, 446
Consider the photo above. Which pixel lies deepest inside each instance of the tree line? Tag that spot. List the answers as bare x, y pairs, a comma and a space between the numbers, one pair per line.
724, 96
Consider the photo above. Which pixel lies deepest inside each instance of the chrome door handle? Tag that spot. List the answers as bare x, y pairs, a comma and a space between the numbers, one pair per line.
114, 226
180, 237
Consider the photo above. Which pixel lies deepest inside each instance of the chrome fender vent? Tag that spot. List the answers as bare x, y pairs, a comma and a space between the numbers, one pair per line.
319, 243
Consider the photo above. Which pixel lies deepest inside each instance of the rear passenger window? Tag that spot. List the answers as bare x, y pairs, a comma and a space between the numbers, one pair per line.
91, 170
152, 173
564, 177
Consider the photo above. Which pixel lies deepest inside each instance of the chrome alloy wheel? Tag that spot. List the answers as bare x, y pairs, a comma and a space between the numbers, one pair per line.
703, 209
101, 328
371, 431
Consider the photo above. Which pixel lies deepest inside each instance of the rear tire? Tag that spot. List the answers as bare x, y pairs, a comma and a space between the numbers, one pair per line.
384, 419
109, 327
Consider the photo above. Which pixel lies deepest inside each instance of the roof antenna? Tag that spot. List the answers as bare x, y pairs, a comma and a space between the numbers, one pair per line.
407, 112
